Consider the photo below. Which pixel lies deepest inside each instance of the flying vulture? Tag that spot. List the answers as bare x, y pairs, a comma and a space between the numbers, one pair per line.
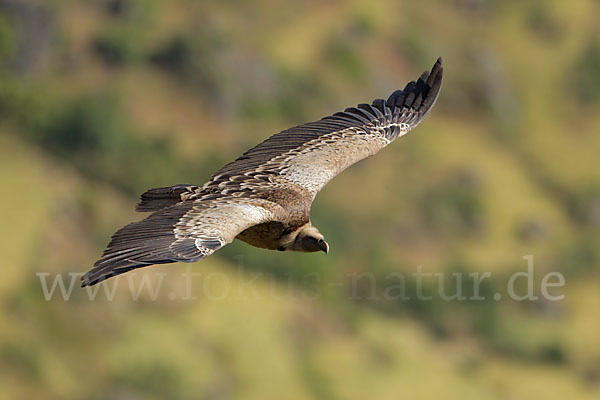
264, 197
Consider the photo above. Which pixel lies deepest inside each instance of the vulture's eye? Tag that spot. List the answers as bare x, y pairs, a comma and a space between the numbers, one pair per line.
321, 242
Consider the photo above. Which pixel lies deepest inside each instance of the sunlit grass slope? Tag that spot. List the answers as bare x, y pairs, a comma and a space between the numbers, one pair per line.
130, 94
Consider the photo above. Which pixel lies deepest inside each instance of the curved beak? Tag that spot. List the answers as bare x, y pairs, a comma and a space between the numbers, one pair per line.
324, 247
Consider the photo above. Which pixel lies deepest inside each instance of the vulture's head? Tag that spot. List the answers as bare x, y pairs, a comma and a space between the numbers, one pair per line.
307, 239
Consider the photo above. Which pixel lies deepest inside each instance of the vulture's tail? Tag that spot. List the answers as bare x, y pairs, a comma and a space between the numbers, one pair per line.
159, 198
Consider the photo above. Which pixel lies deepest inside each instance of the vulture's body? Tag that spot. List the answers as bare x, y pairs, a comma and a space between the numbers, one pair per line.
264, 197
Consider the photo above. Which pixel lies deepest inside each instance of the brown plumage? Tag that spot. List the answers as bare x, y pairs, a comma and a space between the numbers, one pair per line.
264, 196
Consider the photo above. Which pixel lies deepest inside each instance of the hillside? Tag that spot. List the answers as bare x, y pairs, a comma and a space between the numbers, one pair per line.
104, 99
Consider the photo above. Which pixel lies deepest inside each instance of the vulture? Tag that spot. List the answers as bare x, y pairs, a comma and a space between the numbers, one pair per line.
264, 197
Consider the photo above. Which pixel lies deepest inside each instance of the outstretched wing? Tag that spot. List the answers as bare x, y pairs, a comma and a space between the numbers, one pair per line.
310, 155
273, 181
186, 231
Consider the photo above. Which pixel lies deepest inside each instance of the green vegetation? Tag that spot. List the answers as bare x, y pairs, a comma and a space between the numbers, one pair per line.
103, 100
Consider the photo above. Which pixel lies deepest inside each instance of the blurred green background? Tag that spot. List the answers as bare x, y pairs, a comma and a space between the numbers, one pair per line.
103, 99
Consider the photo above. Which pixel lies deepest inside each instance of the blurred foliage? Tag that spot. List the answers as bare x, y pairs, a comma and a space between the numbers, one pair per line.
90, 132
455, 205
115, 48
7, 41
586, 73
104, 99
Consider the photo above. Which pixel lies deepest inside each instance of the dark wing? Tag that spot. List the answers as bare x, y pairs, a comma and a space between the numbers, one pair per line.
159, 198
310, 155
186, 231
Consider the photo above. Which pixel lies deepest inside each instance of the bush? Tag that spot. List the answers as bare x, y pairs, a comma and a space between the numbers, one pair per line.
92, 134
345, 58
7, 40
175, 56
584, 79
116, 48
454, 206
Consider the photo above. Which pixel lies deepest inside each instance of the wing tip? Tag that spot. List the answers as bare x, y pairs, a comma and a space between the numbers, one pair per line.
105, 269
102, 270
420, 95
88, 279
